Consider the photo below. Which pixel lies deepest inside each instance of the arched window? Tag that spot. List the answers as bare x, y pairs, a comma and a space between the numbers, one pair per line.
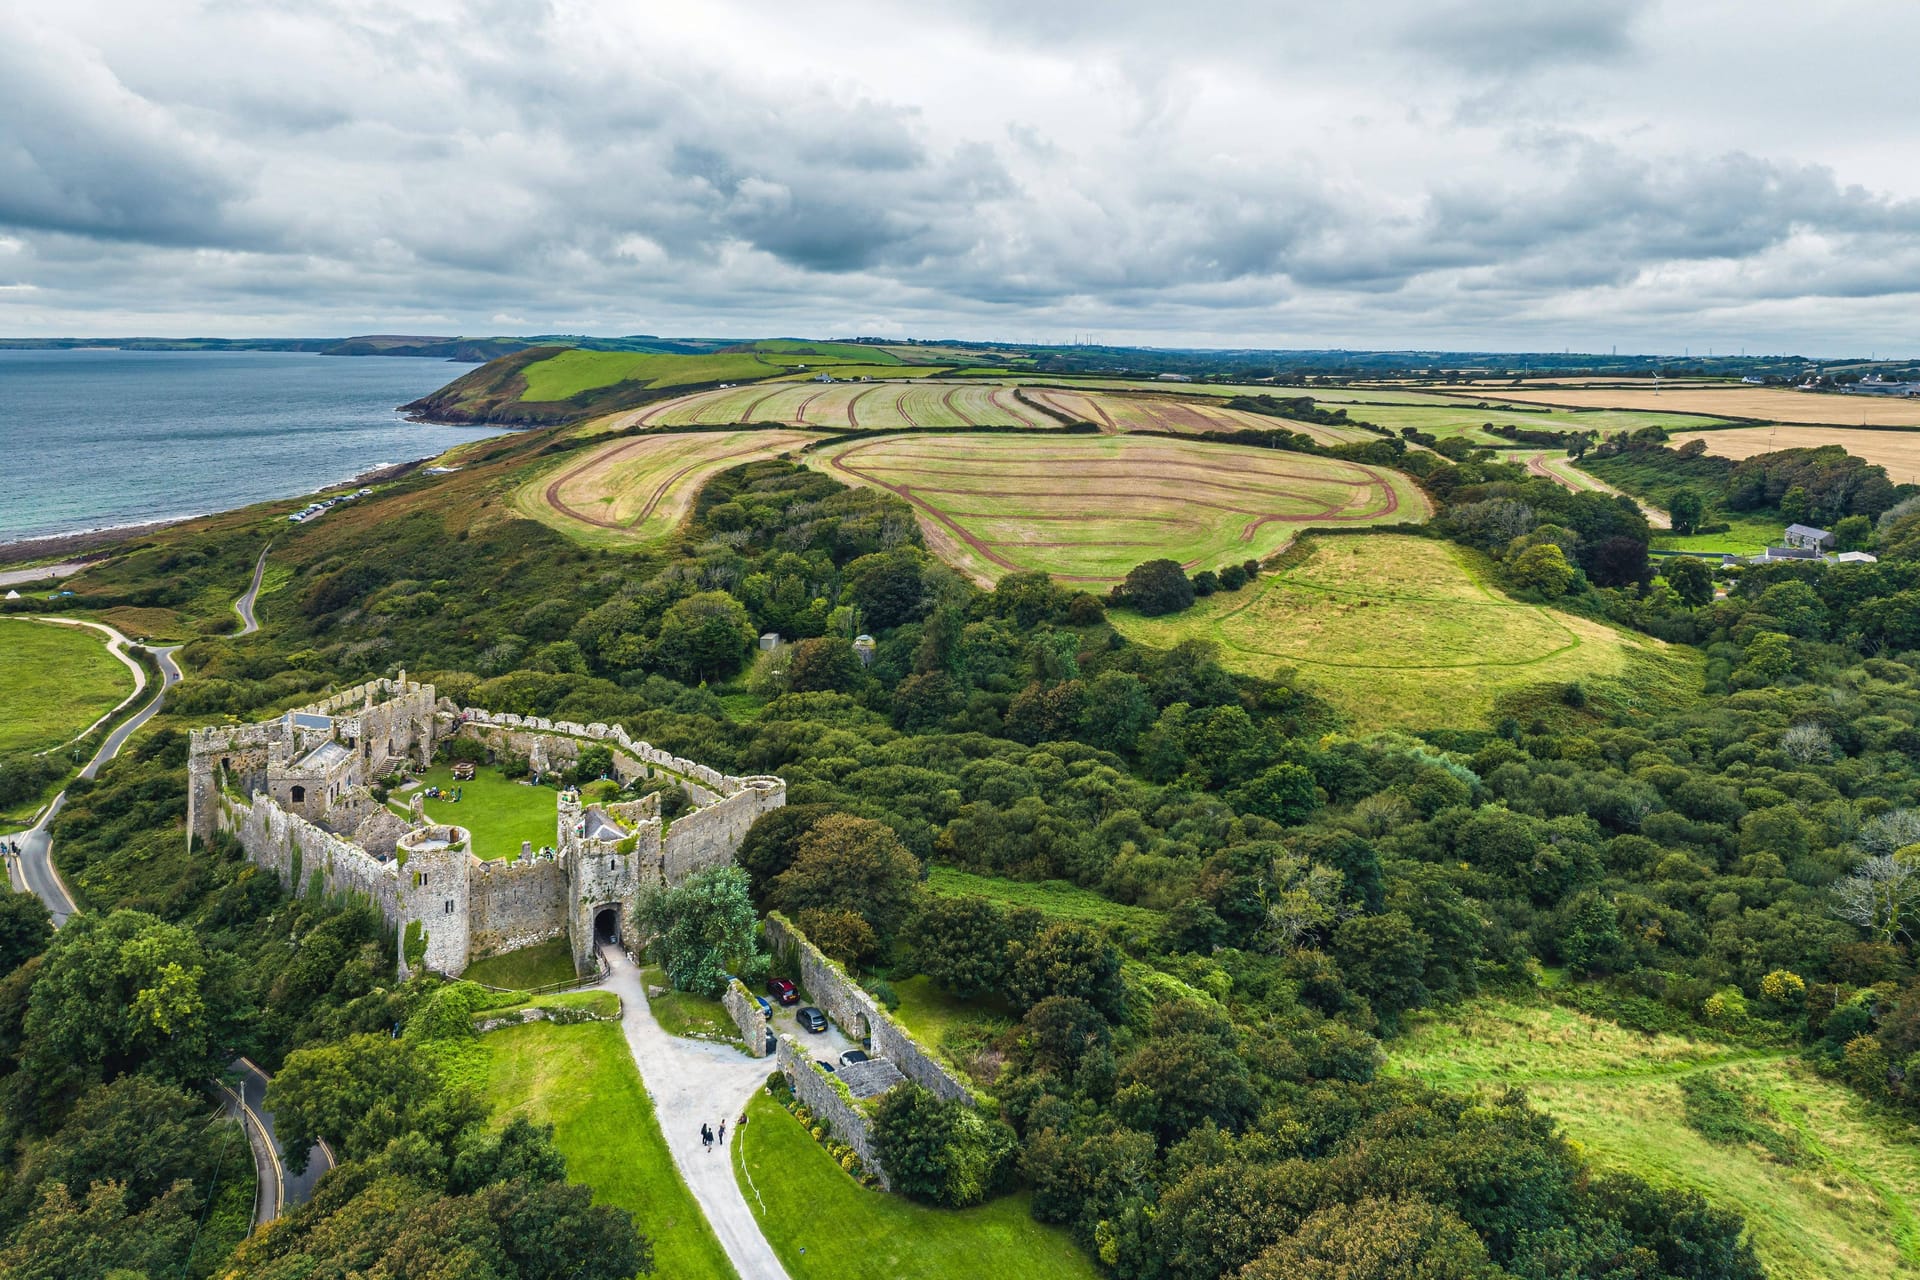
298, 795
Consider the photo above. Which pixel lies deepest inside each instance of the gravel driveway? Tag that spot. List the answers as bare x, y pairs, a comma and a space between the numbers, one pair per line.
694, 1083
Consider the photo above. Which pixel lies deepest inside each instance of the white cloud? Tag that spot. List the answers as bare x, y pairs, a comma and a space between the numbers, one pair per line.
1244, 172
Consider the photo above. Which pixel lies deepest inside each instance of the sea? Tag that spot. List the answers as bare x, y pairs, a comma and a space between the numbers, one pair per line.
101, 439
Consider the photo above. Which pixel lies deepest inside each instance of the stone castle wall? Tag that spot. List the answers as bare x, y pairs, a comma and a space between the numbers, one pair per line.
435, 897
709, 837
859, 1015
306, 856
515, 904
840, 1117
748, 1017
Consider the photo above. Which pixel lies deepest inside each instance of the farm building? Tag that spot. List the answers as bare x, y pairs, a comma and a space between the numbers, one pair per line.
1805, 535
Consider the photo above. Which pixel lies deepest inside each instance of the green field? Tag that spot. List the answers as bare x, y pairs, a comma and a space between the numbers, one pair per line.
1088, 508
823, 353
825, 1226
581, 1080
54, 682
540, 965
1056, 898
499, 812
1827, 1184
682, 1013
1406, 632
571, 372
1749, 535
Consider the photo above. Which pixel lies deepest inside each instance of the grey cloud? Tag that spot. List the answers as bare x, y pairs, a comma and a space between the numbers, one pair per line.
1519, 36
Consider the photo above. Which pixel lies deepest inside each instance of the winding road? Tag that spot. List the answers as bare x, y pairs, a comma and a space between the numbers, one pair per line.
33, 871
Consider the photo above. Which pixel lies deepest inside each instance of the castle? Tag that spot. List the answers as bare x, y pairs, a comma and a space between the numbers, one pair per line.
296, 792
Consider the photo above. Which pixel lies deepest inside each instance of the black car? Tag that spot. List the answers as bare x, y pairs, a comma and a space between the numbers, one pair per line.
812, 1019
852, 1056
770, 1042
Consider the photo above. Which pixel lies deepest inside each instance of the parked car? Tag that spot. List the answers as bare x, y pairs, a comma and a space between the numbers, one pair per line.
783, 991
812, 1019
764, 1006
770, 1042
852, 1056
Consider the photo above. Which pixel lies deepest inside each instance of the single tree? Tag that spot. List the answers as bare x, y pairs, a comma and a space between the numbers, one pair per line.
1881, 896
702, 928
1690, 579
1685, 507
1157, 587
853, 864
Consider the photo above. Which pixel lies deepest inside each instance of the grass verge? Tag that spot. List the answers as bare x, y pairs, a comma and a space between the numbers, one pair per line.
682, 1013
823, 1224
55, 681
581, 1080
540, 965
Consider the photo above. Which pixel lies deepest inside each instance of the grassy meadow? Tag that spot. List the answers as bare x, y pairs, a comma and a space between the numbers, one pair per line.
581, 1080
569, 373
1466, 420
825, 1226
635, 492
54, 682
1748, 535
1407, 632
1088, 508
1826, 1182
1056, 898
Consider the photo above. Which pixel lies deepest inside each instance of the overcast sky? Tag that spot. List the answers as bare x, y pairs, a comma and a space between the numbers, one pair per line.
1499, 174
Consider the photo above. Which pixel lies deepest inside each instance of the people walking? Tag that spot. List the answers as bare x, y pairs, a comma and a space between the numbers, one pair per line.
706, 1136
723, 1133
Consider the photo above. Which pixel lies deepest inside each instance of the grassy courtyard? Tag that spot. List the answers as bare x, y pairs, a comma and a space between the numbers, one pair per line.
1826, 1182
497, 810
683, 1013
823, 1224
581, 1080
54, 682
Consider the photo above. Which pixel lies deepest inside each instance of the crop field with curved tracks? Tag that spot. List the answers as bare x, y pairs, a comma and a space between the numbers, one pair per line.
636, 491
1760, 404
900, 406
1399, 631
1088, 508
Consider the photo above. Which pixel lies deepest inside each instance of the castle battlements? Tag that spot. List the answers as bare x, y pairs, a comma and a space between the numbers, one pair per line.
296, 791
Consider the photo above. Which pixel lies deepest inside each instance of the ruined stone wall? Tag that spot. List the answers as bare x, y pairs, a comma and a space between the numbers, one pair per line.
859, 1015
398, 731
304, 855
710, 836
244, 750
514, 904
840, 1116
748, 1016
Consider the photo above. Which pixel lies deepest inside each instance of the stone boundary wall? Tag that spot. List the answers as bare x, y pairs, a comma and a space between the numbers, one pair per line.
721, 784
748, 1016
710, 836
515, 904
852, 1009
842, 1119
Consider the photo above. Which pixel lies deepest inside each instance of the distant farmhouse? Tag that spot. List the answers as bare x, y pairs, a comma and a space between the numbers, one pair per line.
296, 792
1805, 535
1875, 385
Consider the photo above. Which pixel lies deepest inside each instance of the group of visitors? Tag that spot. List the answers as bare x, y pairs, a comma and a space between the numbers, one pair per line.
708, 1138
450, 795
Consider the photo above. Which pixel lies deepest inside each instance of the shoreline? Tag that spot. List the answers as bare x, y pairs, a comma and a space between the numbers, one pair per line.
76, 543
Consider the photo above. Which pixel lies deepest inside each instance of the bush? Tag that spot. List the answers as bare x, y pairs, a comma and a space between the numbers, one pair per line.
940, 1152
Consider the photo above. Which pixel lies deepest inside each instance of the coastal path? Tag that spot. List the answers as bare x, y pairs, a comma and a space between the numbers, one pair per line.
692, 1083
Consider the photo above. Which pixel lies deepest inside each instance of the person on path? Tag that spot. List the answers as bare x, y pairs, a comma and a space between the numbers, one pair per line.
723, 1133
706, 1136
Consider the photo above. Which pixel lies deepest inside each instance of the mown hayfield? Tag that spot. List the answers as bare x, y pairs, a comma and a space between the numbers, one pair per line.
1467, 421
1089, 508
637, 491
1554, 465
54, 681
1400, 632
1765, 404
1826, 1182
1897, 451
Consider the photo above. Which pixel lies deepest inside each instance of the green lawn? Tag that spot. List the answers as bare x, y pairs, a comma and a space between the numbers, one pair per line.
1827, 1184
1749, 536
682, 1013
582, 1081
604, 1003
540, 965
571, 372
1056, 898
499, 812
823, 1224
54, 682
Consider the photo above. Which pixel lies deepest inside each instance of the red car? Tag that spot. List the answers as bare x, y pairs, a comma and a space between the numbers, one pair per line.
783, 991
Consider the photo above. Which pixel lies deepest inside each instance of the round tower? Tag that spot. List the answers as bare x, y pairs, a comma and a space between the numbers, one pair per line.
433, 862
